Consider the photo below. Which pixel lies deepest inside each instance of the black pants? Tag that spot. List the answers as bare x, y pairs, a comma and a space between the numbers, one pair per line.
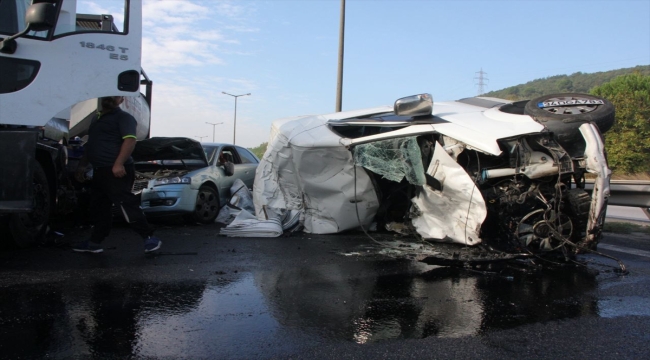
108, 190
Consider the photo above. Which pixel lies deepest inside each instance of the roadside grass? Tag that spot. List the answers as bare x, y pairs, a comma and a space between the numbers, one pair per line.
625, 228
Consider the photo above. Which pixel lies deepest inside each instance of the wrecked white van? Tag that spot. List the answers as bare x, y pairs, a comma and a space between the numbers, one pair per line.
509, 175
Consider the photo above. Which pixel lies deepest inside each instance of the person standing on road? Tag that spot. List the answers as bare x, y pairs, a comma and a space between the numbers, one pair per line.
111, 140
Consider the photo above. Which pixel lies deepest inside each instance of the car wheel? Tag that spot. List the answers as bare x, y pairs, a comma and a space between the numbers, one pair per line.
564, 113
207, 206
27, 228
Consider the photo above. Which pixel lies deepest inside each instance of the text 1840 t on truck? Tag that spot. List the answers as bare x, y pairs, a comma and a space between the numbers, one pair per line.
56, 60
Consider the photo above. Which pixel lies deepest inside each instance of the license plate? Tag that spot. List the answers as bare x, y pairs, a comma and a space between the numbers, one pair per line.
557, 103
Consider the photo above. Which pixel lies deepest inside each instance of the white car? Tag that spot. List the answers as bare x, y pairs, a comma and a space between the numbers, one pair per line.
180, 176
509, 175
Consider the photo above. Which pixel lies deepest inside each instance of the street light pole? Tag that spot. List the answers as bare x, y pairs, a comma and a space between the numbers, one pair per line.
201, 138
213, 126
234, 127
339, 77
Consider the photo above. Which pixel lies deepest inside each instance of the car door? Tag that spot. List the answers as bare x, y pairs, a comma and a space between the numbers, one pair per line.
243, 171
247, 166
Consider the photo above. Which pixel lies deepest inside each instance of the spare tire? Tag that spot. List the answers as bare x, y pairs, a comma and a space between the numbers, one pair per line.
564, 113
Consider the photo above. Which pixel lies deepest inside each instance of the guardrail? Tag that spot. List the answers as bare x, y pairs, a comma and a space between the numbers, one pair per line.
632, 193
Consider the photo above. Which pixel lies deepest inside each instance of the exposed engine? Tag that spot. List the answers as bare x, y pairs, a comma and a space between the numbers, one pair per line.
146, 173
531, 205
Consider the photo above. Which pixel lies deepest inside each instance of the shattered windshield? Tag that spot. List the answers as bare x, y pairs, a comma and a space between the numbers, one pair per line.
393, 159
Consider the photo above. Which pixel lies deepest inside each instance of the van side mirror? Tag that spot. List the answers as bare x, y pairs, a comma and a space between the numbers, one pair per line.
416, 105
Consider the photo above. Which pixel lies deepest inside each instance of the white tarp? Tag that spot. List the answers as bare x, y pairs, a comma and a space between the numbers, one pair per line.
240, 199
247, 225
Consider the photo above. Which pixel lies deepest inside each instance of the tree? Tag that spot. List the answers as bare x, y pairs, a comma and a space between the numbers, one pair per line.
565, 85
259, 150
628, 141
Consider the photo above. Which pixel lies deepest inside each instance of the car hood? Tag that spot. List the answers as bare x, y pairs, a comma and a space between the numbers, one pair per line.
166, 148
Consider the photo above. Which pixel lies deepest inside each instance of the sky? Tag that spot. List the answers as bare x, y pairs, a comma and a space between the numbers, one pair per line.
285, 54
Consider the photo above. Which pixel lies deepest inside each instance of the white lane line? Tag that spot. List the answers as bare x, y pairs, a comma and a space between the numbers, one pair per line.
623, 249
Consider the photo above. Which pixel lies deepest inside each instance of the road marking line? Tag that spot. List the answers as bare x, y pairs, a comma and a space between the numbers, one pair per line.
624, 250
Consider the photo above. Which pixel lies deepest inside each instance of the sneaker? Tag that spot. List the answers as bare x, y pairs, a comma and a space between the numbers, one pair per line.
87, 246
152, 243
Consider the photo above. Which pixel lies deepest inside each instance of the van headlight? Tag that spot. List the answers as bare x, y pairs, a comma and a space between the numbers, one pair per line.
172, 180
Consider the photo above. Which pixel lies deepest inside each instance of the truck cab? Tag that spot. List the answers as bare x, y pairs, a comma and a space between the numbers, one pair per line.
57, 58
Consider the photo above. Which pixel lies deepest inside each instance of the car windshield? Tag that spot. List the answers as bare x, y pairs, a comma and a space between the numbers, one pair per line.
210, 151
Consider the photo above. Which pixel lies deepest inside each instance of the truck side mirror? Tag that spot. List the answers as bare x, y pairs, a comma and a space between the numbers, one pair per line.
39, 17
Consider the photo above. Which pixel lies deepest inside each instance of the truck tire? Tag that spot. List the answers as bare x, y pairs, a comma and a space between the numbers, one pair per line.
565, 119
28, 228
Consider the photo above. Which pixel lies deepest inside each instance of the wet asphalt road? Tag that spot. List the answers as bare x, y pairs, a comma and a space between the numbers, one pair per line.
309, 296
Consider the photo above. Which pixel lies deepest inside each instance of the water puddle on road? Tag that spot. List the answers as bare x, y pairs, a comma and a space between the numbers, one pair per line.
244, 315
397, 300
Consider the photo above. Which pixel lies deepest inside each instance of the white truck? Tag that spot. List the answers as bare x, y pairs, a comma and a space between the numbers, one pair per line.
55, 62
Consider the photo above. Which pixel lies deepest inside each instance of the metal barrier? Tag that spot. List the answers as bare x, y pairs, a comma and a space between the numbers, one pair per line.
632, 193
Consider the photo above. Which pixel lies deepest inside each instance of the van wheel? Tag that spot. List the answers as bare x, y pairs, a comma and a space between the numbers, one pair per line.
27, 228
564, 113
206, 208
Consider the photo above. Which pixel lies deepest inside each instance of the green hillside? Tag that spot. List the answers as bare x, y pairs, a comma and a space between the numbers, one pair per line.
578, 82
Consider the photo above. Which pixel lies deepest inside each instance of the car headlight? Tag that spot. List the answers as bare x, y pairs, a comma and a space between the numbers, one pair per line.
172, 180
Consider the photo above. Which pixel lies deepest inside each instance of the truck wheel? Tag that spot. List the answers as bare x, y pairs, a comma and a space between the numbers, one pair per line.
27, 228
207, 207
564, 113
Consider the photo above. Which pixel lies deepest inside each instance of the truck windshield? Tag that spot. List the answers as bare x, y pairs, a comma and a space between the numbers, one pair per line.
91, 15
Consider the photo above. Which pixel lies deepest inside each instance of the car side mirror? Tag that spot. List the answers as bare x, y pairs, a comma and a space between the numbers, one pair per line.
229, 168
